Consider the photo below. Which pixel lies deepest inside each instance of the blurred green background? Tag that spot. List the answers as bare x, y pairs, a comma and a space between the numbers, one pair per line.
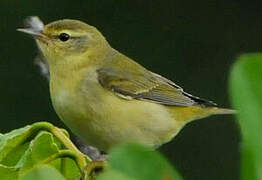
190, 42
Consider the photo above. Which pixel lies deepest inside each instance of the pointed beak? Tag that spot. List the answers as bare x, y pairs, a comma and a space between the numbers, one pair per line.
34, 33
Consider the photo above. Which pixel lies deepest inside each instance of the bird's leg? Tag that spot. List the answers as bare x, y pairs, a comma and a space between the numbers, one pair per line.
92, 152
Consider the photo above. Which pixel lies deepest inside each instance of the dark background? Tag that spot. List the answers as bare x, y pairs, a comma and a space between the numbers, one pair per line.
193, 43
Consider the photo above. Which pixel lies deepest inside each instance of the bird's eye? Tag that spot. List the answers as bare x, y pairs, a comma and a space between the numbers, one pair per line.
64, 36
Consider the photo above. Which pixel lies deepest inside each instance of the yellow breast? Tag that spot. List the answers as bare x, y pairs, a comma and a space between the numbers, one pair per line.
103, 119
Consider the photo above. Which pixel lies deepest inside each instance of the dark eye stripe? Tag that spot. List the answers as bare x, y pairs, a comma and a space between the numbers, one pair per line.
71, 37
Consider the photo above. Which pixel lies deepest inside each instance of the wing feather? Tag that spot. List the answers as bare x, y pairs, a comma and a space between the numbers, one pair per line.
145, 85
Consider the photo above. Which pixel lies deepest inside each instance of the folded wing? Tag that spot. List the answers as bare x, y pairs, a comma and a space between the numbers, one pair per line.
145, 85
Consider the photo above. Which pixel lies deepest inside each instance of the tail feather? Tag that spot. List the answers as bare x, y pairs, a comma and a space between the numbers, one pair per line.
187, 114
216, 110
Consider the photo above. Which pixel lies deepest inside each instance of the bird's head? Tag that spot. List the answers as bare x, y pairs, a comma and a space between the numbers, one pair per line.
64, 40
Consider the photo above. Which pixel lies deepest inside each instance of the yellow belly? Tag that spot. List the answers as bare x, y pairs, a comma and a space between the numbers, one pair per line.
103, 119
109, 120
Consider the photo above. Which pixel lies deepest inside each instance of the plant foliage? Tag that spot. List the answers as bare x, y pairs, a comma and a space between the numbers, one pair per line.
42, 151
246, 92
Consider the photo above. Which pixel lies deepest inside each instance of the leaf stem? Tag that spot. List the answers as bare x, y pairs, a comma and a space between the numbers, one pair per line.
60, 154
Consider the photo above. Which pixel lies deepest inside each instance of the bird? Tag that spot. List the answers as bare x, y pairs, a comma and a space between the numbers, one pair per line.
107, 98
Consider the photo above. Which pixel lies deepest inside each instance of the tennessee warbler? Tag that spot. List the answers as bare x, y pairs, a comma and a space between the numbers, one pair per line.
105, 97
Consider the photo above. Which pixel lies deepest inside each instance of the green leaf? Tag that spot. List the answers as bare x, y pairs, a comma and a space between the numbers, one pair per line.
246, 93
24, 150
137, 162
13, 143
70, 169
115, 175
14, 155
40, 149
44, 173
8, 173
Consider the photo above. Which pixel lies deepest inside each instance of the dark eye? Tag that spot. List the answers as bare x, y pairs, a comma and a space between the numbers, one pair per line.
64, 36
